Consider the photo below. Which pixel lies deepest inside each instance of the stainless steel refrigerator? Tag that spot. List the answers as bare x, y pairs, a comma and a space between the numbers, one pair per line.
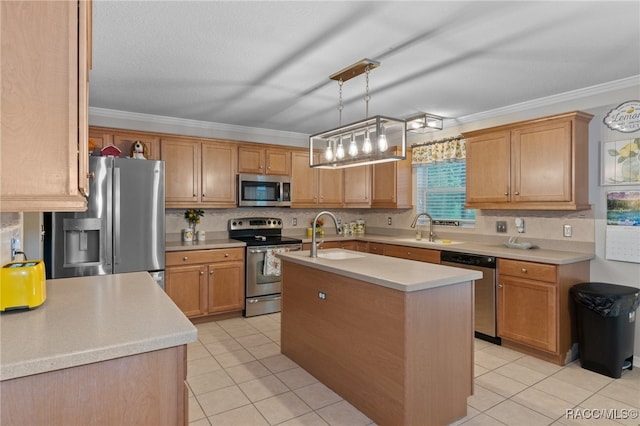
123, 229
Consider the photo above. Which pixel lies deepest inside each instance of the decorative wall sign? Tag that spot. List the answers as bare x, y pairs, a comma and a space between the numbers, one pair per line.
621, 162
624, 118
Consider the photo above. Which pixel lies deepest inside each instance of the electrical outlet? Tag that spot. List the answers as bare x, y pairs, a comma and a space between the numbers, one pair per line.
567, 230
294, 221
501, 226
389, 220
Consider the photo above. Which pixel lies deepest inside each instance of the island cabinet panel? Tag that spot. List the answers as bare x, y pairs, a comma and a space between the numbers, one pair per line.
539, 164
534, 307
205, 283
142, 389
45, 61
402, 358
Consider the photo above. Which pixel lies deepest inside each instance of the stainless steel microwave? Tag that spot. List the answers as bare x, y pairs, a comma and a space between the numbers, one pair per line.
264, 191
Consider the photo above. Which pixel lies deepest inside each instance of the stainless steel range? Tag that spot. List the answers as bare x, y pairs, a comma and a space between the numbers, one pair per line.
263, 236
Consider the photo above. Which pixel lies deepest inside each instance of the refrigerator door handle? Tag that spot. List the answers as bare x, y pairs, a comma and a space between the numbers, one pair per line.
116, 216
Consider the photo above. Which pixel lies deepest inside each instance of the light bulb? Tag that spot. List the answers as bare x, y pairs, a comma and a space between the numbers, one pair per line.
328, 154
340, 151
353, 147
366, 146
382, 141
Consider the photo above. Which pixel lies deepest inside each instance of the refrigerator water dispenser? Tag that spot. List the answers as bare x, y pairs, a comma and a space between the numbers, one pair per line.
81, 241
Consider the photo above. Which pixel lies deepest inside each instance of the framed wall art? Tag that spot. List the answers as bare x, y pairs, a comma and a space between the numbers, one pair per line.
621, 162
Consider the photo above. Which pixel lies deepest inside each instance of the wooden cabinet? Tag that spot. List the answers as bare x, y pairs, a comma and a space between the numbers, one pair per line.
204, 282
311, 187
44, 116
260, 160
412, 253
405, 252
534, 304
357, 186
199, 173
534, 165
100, 137
391, 184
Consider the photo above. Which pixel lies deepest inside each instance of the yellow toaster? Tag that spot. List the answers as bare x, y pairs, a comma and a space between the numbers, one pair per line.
22, 285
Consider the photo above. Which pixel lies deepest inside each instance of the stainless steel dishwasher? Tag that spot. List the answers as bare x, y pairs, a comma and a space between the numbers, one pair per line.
485, 291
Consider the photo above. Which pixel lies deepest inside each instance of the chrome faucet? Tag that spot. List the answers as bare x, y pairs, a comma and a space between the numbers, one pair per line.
314, 246
415, 221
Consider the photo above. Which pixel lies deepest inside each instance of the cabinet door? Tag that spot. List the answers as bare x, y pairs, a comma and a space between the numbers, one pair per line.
182, 172
187, 287
488, 168
527, 312
44, 160
226, 287
98, 139
330, 188
219, 162
357, 186
250, 159
278, 162
541, 162
124, 142
391, 184
303, 181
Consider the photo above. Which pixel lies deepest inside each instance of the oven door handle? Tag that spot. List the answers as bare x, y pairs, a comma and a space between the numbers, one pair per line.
265, 249
263, 299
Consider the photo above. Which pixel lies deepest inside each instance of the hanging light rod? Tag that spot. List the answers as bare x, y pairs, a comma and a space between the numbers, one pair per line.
354, 70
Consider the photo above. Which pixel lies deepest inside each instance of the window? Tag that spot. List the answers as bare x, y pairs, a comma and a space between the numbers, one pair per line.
441, 192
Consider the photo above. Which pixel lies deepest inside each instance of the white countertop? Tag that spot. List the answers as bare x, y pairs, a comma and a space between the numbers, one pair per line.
91, 319
399, 274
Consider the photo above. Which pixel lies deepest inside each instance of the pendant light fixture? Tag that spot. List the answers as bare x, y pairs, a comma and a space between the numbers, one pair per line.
373, 140
423, 123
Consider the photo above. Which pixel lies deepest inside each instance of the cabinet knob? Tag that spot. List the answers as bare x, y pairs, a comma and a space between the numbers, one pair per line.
226, 255
506, 193
517, 193
499, 285
524, 270
203, 195
194, 195
91, 175
211, 272
185, 258
201, 273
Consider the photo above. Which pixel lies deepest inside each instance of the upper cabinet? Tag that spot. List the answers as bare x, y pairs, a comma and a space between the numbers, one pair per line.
45, 61
261, 160
124, 140
199, 173
311, 187
391, 184
357, 186
533, 165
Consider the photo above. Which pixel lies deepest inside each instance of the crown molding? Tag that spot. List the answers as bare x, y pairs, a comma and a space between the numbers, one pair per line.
572, 95
196, 124
598, 89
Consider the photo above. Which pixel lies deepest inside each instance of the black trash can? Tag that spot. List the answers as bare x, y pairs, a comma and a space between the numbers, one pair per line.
605, 320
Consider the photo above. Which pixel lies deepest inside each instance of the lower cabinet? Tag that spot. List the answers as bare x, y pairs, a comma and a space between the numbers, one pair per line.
347, 245
405, 252
205, 282
534, 307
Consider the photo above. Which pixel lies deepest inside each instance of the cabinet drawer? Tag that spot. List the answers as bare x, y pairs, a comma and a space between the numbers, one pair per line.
190, 257
531, 270
413, 253
376, 248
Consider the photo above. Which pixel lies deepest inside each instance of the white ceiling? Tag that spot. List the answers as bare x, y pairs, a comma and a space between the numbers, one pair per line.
266, 64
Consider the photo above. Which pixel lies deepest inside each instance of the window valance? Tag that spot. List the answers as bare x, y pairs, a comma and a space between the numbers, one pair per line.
443, 150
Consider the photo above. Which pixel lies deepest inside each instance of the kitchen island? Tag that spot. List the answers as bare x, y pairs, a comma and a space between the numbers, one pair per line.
108, 349
394, 337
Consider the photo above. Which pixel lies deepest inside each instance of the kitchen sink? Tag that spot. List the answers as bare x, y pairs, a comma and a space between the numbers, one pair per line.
338, 255
426, 241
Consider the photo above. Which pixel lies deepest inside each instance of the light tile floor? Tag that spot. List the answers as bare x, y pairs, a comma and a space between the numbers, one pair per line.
237, 376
